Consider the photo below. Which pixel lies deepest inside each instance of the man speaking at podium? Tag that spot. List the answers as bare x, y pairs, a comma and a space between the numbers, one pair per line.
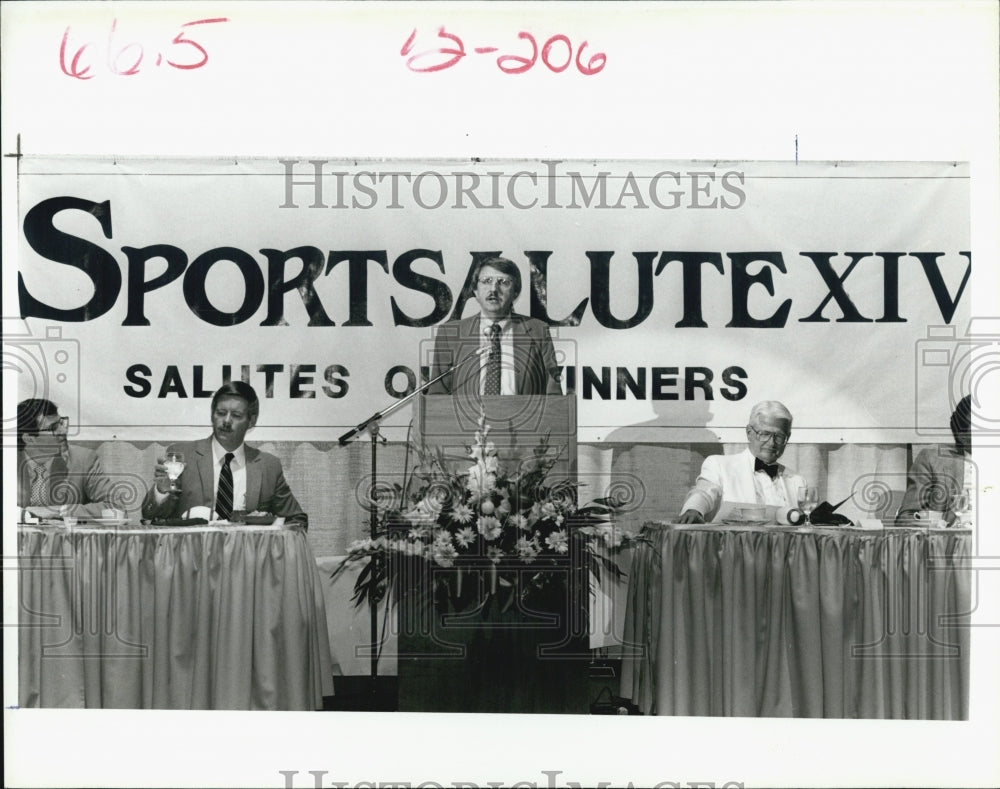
515, 353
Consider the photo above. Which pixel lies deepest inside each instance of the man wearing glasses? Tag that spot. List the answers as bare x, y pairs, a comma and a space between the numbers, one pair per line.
753, 476
515, 353
52, 475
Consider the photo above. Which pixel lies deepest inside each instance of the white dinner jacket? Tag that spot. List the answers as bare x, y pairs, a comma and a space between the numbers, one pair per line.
730, 478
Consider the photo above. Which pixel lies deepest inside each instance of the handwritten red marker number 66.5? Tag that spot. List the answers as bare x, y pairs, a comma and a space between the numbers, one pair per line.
125, 58
556, 54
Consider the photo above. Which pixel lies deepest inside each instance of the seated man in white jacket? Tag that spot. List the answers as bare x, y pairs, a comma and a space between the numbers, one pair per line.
753, 475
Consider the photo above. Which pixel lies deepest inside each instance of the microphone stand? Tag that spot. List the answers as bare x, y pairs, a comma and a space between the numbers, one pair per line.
371, 425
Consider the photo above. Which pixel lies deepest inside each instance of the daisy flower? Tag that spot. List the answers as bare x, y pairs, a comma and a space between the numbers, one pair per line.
465, 537
461, 513
489, 527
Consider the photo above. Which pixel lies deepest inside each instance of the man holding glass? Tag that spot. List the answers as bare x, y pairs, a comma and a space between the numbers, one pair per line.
221, 472
515, 352
751, 477
54, 477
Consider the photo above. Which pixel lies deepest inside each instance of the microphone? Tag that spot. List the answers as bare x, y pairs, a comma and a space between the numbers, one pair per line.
378, 416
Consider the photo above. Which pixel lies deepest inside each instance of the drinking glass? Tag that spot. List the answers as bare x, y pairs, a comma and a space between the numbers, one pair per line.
808, 500
962, 508
174, 464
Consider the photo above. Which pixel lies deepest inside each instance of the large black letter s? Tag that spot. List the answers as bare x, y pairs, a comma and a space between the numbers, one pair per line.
61, 247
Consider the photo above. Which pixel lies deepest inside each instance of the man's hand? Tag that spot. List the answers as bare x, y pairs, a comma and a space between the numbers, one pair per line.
691, 516
160, 476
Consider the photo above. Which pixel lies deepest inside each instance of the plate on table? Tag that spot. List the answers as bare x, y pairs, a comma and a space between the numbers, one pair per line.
262, 519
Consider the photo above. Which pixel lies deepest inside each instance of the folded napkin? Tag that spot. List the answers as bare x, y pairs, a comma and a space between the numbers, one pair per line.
824, 515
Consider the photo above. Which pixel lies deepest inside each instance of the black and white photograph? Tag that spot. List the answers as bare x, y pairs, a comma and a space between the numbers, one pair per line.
500, 394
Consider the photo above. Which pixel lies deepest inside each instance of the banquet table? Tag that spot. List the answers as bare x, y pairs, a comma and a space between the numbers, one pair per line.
730, 620
209, 617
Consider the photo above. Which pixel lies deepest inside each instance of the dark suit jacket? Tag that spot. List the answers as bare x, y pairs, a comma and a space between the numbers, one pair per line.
935, 479
267, 490
535, 367
77, 481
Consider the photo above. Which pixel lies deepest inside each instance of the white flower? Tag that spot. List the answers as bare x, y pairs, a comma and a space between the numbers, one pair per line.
444, 553
489, 527
480, 481
465, 537
442, 537
527, 549
360, 546
558, 541
461, 514
494, 554
518, 521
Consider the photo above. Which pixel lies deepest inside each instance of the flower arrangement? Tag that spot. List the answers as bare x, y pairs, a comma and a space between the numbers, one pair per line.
511, 527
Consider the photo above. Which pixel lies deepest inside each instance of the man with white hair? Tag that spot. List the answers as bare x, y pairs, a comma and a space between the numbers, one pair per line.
752, 476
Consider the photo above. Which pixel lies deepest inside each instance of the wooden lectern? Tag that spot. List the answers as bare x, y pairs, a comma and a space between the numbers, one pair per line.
494, 653
517, 423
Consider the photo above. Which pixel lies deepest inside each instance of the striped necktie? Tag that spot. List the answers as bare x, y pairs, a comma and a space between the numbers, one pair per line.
492, 385
224, 498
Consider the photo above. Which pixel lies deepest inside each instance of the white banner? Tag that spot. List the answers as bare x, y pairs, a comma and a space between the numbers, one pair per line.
678, 293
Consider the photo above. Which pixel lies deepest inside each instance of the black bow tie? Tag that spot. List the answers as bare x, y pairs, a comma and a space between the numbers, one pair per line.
771, 469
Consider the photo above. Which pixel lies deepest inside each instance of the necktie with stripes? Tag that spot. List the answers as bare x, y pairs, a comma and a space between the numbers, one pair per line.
224, 498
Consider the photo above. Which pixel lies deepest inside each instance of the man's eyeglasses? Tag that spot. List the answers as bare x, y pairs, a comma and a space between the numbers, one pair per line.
61, 423
501, 282
778, 439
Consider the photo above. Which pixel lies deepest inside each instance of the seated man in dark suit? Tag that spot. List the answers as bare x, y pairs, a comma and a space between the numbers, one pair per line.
224, 474
940, 477
515, 352
51, 474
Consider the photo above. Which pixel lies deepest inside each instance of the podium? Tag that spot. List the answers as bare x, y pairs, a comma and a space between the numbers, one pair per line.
517, 423
487, 649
